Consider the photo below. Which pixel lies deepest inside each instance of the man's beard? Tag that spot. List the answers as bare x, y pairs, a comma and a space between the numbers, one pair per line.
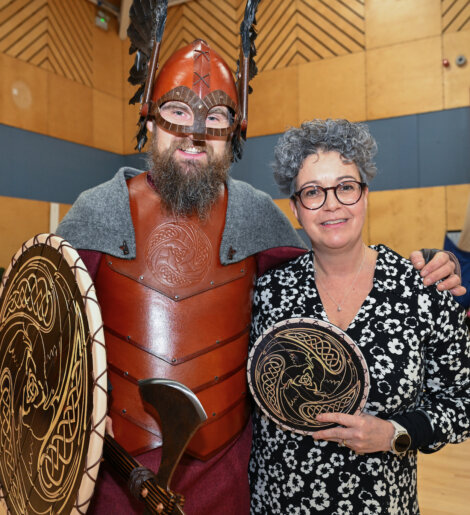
191, 187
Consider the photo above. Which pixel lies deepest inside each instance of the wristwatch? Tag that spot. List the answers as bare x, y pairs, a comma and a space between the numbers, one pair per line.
401, 440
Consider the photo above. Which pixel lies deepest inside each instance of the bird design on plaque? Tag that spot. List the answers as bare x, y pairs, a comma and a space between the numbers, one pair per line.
302, 367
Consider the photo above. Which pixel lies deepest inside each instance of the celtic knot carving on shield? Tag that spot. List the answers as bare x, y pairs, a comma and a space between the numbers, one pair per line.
47, 387
302, 367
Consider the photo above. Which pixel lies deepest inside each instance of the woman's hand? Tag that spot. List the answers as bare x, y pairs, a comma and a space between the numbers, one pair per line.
440, 267
361, 433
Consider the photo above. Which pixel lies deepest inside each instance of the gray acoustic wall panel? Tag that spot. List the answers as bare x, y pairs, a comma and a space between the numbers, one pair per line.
431, 149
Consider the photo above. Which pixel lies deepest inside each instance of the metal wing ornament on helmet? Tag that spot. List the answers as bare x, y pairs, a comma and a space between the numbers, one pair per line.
147, 23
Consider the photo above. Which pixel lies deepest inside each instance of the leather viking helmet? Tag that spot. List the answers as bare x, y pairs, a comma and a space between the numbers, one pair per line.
197, 76
194, 75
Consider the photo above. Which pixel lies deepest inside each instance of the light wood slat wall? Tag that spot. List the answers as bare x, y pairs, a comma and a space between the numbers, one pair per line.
317, 58
61, 75
455, 15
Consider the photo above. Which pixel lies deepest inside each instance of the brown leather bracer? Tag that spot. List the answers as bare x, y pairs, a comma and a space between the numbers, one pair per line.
175, 312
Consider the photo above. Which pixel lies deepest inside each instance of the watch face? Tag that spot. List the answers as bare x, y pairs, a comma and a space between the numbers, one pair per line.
402, 442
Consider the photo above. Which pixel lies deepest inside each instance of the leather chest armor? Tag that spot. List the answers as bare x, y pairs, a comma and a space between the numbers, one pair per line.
175, 312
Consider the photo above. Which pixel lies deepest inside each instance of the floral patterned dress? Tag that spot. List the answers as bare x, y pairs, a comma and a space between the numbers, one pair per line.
417, 348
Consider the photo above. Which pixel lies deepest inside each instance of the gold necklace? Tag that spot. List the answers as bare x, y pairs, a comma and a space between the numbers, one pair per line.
345, 296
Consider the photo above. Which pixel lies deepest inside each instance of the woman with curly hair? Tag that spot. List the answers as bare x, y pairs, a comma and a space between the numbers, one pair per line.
412, 338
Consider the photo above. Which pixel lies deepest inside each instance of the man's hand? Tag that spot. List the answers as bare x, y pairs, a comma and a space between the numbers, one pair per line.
361, 433
440, 267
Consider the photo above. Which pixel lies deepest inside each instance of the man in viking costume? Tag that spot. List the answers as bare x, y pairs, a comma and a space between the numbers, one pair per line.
174, 252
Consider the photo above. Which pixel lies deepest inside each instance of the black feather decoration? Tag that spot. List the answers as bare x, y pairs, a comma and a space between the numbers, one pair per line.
147, 23
248, 35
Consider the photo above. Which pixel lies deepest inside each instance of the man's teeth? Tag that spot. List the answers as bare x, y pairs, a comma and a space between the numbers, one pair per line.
192, 150
333, 222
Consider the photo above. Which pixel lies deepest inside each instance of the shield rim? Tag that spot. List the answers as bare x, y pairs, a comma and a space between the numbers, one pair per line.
98, 352
311, 322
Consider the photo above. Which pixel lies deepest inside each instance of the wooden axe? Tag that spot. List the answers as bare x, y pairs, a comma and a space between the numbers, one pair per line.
181, 414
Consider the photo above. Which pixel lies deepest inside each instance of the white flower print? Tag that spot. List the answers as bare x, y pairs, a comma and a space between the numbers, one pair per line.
395, 346
345, 507
293, 484
379, 488
383, 310
320, 500
414, 348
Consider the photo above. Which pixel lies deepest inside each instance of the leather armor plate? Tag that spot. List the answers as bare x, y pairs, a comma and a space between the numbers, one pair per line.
175, 312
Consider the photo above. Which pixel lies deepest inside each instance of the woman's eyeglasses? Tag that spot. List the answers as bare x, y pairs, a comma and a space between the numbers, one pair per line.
347, 192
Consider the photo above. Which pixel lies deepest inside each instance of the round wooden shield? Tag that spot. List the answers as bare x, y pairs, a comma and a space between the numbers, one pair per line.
302, 367
53, 386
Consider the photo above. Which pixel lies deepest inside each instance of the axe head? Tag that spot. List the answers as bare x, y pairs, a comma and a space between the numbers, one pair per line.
180, 414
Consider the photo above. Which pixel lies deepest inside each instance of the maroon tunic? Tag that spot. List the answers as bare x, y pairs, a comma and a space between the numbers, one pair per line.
217, 486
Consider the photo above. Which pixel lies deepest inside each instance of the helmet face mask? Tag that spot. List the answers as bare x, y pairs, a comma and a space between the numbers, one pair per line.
195, 75
198, 112
199, 78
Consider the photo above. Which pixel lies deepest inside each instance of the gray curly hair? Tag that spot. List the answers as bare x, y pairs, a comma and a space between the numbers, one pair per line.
352, 141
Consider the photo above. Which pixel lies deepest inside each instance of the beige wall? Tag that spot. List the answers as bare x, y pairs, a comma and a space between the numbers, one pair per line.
361, 61
377, 59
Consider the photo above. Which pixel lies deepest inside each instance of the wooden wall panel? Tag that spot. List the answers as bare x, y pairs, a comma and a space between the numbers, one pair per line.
107, 60
283, 205
404, 79
216, 22
303, 31
273, 105
333, 88
409, 219
456, 78
51, 34
63, 210
457, 199
395, 21
455, 15
23, 95
20, 220
70, 107
108, 124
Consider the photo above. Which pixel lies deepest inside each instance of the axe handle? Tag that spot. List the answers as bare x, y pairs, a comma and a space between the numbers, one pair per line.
124, 464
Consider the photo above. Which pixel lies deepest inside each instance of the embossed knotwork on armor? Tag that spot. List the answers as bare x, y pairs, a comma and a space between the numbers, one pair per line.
178, 254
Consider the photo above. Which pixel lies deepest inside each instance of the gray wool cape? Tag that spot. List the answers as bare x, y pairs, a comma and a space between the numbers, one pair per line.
100, 220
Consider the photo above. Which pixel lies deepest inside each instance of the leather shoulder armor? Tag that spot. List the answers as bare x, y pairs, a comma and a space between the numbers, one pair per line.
175, 312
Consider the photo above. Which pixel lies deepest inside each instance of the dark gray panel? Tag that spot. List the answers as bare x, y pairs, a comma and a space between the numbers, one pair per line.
255, 166
397, 157
136, 161
420, 150
43, 168
444, 147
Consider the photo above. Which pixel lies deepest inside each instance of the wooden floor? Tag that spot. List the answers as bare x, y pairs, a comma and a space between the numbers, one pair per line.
444, 481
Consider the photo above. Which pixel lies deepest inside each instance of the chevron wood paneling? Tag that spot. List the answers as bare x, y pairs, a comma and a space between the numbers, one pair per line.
51, 34
289, 32
303, 31
455, 15
216, 21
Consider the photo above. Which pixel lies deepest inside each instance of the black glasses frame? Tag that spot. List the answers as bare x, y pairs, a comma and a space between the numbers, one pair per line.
325, 191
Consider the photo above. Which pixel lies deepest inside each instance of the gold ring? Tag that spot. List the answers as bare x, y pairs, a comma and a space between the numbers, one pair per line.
341, 444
